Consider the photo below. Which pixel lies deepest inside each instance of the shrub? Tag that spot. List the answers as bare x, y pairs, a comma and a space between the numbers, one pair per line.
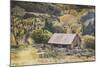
89, 41
41, 36
13, 41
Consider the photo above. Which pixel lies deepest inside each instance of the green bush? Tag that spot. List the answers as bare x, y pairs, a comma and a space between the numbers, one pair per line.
89, 41
41, 36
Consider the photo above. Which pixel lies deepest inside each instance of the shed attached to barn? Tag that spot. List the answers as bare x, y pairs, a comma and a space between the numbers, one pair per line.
64, 40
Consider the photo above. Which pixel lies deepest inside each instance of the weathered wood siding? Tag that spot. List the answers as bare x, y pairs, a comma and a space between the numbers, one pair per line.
76, 42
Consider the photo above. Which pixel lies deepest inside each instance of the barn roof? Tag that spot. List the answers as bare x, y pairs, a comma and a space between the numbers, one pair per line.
62, 38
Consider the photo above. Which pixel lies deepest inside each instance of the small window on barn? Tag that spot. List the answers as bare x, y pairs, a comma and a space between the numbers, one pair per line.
64, 46
76, 45
55, 45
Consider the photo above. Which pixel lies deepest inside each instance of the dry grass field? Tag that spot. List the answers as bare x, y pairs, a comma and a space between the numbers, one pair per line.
30, 56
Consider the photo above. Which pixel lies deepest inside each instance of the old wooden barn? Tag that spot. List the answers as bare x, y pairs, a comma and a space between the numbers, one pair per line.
63, 40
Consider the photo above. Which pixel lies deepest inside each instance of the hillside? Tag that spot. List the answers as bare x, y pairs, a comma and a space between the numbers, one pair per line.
55, 18
28, 16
